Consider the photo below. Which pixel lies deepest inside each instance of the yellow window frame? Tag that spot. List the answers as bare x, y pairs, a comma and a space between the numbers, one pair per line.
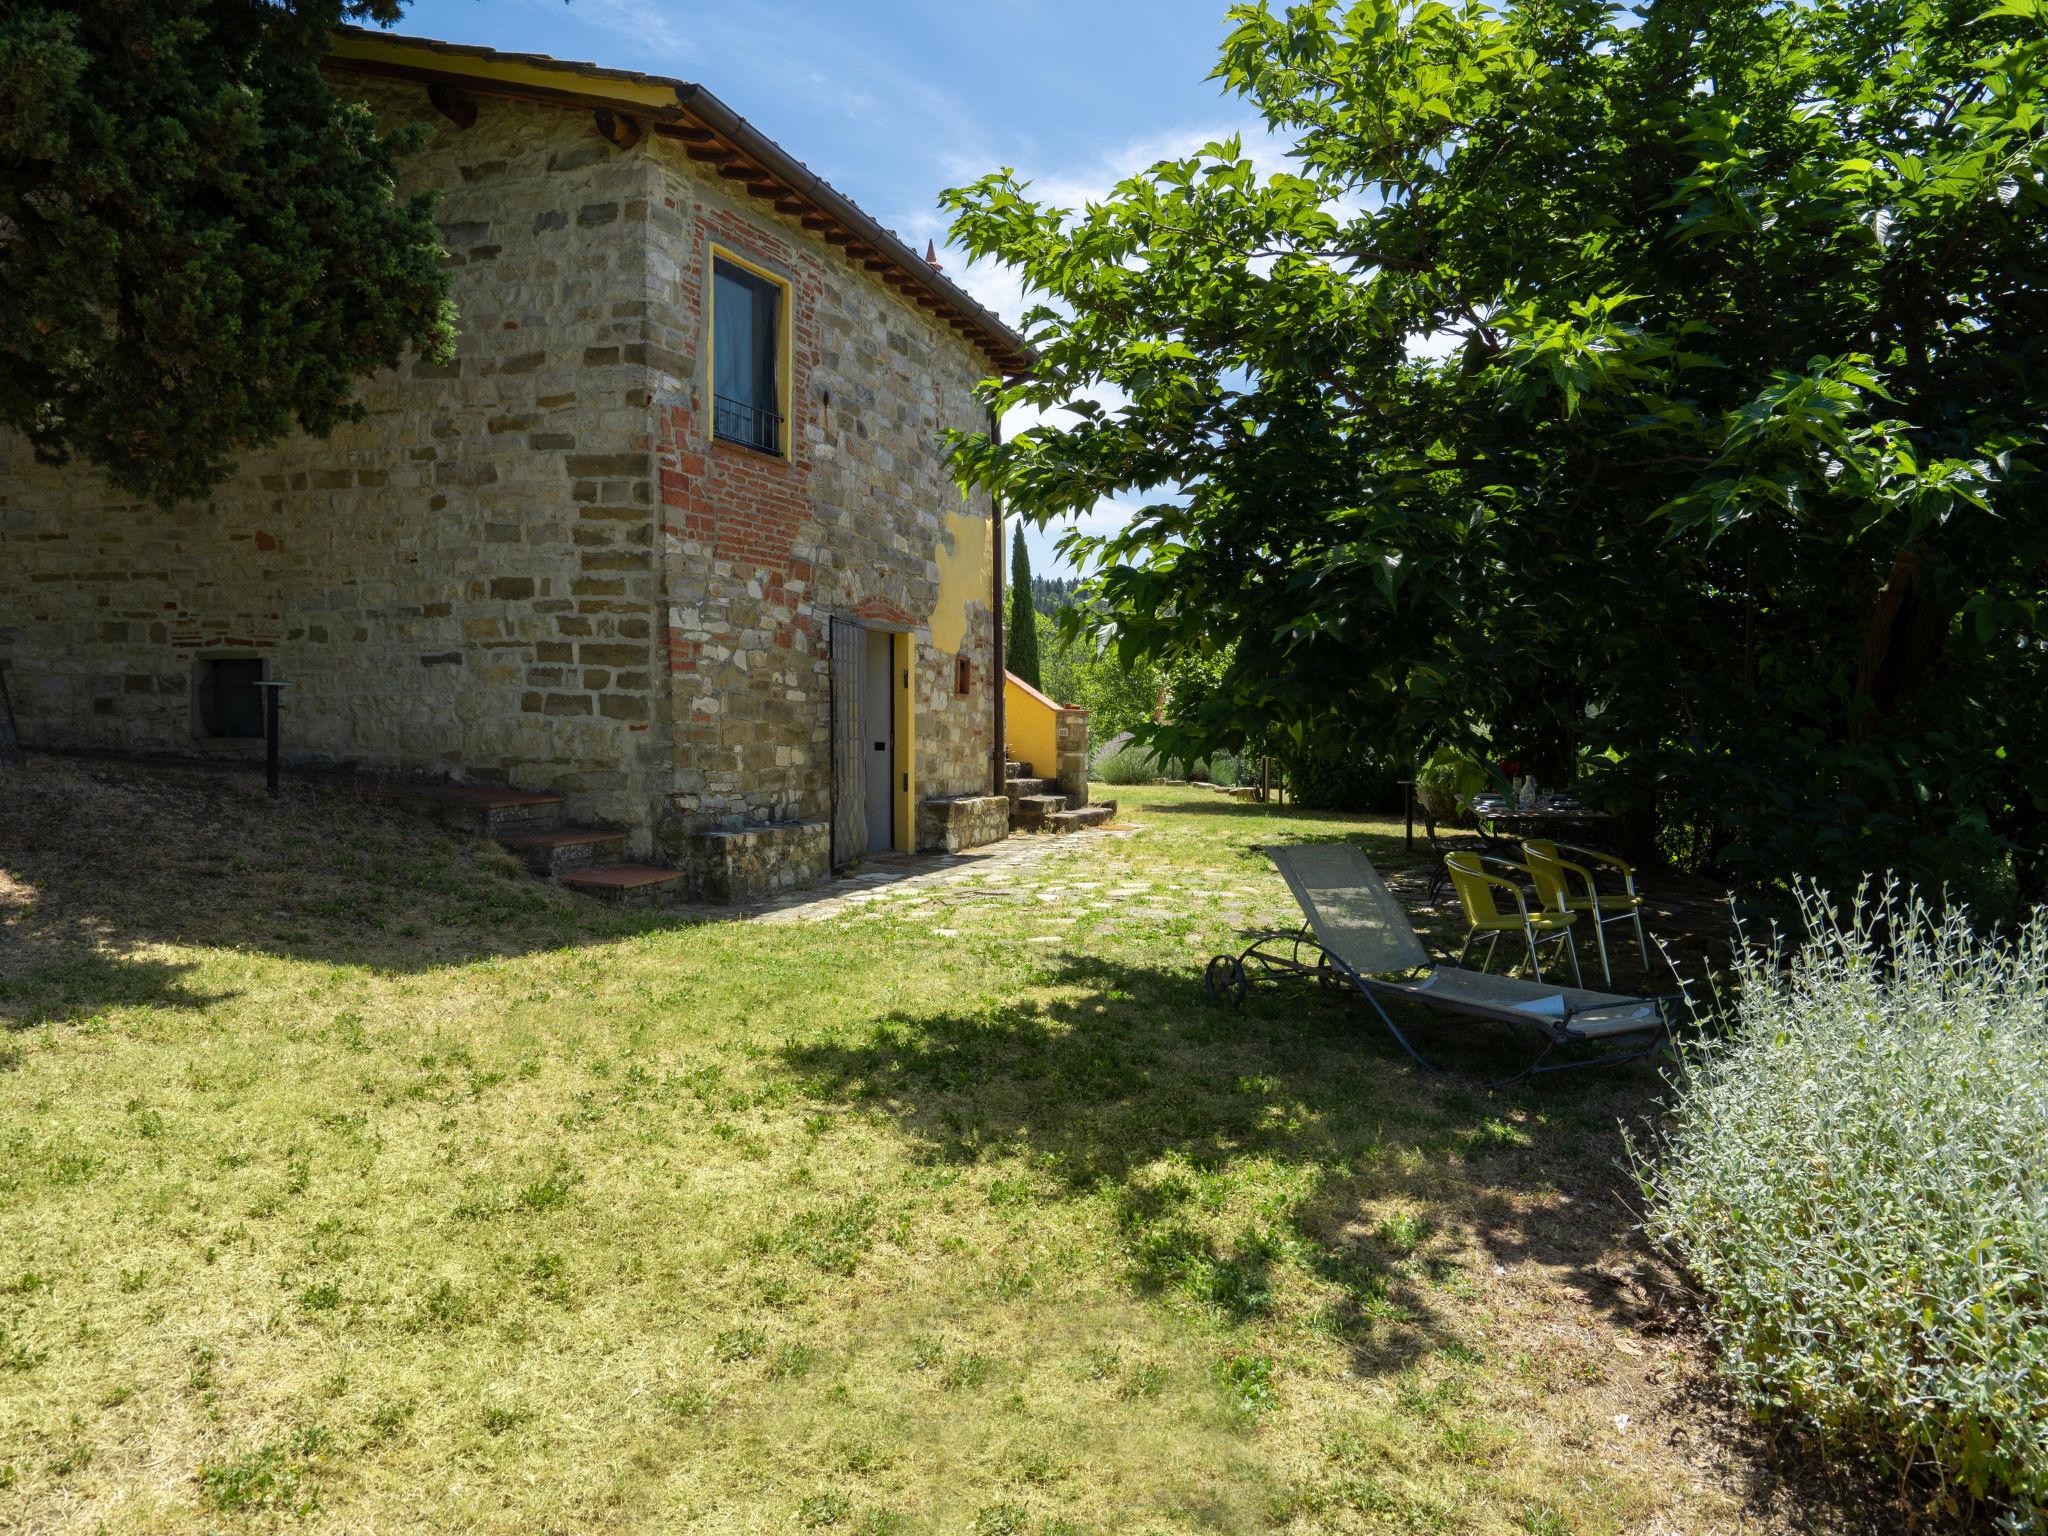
903, 662
785, 349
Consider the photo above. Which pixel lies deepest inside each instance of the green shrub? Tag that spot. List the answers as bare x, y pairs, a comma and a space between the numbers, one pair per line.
1445, 784
1853, 1175
1126, 765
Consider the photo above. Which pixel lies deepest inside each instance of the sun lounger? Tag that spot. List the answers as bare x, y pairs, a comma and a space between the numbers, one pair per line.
1356, 935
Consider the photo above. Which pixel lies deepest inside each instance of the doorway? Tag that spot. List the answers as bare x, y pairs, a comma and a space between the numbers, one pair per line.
849, 661
878, 740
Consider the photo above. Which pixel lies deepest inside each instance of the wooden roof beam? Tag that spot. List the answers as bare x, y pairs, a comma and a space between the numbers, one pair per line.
453, 103
618, 128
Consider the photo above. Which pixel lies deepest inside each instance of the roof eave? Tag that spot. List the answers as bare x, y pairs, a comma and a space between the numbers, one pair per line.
710, 132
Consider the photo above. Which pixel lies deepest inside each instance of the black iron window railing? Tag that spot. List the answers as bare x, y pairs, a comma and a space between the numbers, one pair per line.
738, 422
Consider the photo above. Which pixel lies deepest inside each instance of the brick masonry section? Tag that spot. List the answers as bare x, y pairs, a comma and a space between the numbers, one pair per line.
761, 552
532, 565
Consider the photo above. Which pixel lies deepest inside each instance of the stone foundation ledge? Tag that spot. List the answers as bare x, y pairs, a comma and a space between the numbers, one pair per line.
967, 821
754, 863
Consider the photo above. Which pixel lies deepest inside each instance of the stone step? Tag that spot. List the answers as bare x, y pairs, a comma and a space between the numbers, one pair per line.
1017, 789
1087, 816
1030, 812
489, 810
563, 849
629, 885
1015, 770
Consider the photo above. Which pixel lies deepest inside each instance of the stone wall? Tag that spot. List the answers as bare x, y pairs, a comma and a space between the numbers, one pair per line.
963, 822
532, 565
734, 867
1070, 767
461, 583
862, 521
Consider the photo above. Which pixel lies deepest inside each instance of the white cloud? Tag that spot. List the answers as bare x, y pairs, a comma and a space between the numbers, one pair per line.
1022, 419
1000, 289
1073, 186
1077, 186
1107, 516
658, 42
1434, 345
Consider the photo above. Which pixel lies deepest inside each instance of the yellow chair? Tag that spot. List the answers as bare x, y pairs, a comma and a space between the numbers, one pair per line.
1556, 875
1479, 892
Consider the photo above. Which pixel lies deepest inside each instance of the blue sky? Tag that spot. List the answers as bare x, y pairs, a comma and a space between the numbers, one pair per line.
891, 102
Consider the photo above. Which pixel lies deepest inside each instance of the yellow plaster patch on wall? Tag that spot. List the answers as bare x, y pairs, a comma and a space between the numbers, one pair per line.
966, 570
903, 667
1032, 726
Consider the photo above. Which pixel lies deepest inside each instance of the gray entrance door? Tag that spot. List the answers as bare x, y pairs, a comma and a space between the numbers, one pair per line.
878, 742
849, 789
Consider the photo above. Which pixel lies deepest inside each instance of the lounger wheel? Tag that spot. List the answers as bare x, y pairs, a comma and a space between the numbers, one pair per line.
1328, 977
1224, 981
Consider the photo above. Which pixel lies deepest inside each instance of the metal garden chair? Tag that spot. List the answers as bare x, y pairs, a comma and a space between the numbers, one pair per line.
1443, 844
1355, 935
1555, 875
1479, 880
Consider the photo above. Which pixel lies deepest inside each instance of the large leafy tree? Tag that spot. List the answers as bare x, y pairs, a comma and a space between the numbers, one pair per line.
1657, 393
1078, 672
200, 245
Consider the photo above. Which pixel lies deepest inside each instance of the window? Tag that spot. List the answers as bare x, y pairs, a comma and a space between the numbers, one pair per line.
227, 704
963, 676
749, 362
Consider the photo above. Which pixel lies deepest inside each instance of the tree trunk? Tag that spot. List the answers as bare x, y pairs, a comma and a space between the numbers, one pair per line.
1901, 640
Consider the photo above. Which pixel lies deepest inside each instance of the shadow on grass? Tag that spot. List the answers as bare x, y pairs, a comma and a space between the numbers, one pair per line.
1130, 1070
68, 982
102, 861
1129, 1089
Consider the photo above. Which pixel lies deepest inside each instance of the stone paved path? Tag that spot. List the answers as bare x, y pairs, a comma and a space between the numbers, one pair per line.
896, 874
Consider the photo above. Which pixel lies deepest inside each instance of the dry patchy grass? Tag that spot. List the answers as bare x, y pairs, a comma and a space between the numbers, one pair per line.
351, 1180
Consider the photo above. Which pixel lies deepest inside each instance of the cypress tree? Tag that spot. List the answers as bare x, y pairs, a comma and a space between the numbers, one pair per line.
1021, 653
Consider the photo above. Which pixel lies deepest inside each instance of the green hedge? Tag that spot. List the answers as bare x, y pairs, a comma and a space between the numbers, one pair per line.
1856, 1175
1342, 778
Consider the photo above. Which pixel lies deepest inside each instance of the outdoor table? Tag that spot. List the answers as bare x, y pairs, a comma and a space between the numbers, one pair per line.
1551, 816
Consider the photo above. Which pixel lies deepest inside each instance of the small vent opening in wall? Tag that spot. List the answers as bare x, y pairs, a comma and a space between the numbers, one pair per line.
963, 677
226, 703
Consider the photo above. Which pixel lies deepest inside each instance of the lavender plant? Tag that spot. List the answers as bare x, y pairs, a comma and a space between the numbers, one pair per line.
1856, 1175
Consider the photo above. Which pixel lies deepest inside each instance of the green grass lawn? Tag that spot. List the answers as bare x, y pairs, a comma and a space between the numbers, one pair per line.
352, 1180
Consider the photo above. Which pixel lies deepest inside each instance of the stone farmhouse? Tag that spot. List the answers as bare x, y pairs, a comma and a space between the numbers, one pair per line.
669, 548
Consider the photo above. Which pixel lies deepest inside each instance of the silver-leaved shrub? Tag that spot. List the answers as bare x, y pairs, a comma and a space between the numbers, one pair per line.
1126, 766
1856, 1175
